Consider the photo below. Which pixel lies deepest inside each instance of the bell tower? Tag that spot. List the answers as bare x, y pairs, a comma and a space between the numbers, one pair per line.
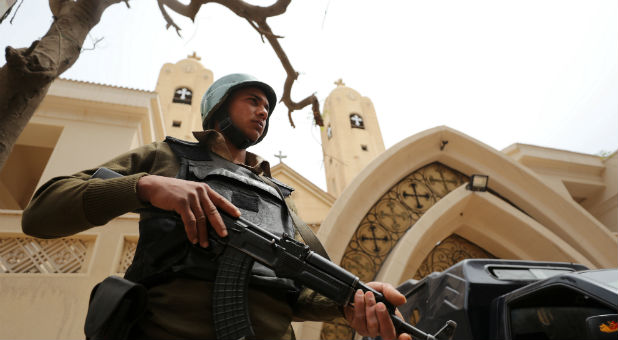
351, 136
180, 87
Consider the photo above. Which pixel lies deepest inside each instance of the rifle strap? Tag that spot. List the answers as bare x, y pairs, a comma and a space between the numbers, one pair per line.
303, 229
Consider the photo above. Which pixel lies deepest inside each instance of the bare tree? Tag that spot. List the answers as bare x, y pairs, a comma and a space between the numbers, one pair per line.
28, 72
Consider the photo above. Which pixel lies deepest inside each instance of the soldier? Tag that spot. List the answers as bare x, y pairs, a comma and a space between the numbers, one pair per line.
172, 175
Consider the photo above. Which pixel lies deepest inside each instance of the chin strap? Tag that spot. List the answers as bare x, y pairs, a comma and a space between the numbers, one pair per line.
232, 133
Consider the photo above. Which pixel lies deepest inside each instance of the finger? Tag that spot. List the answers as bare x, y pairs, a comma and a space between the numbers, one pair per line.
359, 322
223, 203
405, 336
348, 312
212, 214
188, 219
387, 330
201, 220
373, 326
202, 232
391, 294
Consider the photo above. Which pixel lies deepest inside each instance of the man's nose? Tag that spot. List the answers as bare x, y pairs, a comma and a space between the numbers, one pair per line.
262, 111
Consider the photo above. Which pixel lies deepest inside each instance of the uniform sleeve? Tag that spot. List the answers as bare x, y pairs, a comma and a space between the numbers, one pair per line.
312, 306
70, 204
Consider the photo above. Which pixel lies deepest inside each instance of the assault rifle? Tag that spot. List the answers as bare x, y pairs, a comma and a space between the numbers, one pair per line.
247, 242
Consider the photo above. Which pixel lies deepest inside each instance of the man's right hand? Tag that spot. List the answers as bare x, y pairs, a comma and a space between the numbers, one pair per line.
195, 202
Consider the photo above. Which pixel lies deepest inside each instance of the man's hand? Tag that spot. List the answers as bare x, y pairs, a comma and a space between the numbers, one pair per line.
369, 318
193, 201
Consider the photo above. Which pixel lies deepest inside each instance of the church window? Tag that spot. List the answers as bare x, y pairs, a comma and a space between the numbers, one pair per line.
176, 123
356, 121
183, 95
329, 132
364, 147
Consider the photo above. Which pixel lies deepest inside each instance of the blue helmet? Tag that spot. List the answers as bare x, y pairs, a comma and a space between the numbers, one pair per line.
220, 90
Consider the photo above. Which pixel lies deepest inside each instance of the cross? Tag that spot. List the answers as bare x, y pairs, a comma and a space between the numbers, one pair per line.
357, 120
183, 92
339, 82
392, 214
443, 180
416, 195
194, 56
374, 238
280, 156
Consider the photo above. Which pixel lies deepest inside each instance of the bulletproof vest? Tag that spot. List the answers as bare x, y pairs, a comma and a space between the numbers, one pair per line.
163, 249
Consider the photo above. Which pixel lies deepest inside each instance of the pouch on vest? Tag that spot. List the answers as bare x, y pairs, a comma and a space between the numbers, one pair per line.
115, 305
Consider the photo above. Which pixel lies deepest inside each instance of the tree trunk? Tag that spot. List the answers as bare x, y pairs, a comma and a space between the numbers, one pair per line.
28, 72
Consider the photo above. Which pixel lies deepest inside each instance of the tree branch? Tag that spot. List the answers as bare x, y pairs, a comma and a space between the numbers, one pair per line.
188, 11
28, 72
292, 75
256, 16
168, 19
245, 10
15, 13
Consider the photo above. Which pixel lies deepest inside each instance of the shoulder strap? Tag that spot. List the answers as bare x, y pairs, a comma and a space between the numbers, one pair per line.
303, 229
191, 150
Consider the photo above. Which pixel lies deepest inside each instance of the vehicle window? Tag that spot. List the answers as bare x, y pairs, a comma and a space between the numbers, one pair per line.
557, 312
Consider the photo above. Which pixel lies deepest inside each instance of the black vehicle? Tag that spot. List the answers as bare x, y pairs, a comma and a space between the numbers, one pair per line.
505, 299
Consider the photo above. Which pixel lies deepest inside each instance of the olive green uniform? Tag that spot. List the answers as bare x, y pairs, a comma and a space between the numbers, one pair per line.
178, 307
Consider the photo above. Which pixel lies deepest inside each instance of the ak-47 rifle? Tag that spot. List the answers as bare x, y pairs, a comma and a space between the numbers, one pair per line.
247, 242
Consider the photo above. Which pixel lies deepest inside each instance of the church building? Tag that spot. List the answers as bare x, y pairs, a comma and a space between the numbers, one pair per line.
388, 215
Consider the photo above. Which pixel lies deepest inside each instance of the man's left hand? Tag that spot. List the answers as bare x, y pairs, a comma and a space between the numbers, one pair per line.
372, 319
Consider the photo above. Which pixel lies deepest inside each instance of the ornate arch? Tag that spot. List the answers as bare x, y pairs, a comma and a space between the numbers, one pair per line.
393, 214
387, 221
357, 239
560, 215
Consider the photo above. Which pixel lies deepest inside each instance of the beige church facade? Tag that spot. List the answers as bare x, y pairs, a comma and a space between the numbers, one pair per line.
387, 215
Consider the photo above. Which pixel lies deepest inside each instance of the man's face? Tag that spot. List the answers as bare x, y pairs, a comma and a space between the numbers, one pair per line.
248, 109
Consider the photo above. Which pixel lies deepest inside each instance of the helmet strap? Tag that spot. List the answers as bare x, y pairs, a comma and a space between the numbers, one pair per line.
233, 133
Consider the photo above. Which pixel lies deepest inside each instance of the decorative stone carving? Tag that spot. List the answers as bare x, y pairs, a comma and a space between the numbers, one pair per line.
128, 252
387, 221
396, 212
450, 251
31, 255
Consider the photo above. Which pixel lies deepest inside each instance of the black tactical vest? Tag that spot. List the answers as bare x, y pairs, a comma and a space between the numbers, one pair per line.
163, 249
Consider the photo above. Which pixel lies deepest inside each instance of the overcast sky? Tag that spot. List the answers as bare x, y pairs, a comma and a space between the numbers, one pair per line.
537, 72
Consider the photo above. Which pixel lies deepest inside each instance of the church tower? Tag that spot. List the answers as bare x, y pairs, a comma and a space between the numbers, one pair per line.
180, 87
351, 136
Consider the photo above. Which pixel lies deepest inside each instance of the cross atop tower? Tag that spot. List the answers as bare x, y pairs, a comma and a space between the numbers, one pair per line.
280, 156
194, 56
339, 82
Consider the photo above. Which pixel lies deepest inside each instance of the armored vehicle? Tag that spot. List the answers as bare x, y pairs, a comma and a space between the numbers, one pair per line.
504, 299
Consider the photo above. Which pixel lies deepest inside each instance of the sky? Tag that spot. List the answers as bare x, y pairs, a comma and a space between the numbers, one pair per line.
536, 72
